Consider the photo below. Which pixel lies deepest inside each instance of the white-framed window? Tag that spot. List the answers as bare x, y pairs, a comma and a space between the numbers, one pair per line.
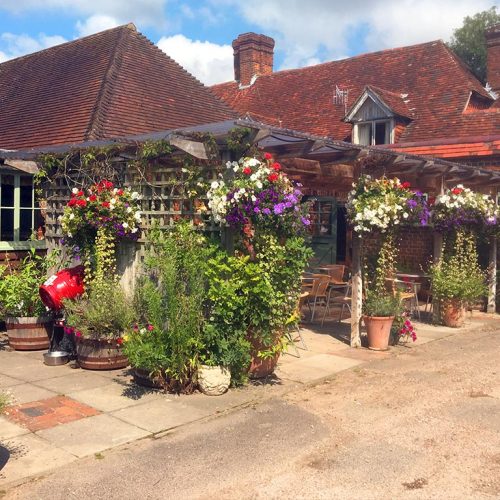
21, 222
373, 132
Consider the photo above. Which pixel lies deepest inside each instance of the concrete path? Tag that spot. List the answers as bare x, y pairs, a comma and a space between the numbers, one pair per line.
125, 413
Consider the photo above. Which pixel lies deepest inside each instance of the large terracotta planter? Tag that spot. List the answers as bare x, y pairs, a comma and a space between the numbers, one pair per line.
261, 367
93, 354
378, 329
213, 380
29, 333
452, 312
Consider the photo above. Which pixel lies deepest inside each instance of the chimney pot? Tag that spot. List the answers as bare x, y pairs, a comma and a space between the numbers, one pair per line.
253, 56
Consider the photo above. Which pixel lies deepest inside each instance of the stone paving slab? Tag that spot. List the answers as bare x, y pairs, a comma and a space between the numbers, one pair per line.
315, 367
161, 415
27, 369
25, 393
76, 380
92, 435
6, 381
115, 396
10, 429
29, 455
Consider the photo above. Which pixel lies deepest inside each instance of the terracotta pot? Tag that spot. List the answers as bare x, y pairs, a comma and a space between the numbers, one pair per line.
213, 380
261, 367
29, 333
94, 354
378, 329
452, 312
142, 377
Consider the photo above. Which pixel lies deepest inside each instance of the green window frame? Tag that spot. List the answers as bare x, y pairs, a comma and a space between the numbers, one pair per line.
20, 212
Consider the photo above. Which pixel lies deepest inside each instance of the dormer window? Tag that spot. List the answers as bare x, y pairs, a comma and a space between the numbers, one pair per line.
373, 132
375, 114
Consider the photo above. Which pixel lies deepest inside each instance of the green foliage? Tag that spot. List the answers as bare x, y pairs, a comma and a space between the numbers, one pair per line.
239, 143
458, 275
103, 313
5, 401
469, 41
257, 298
19, 286
170, 298
154, 149
381, 304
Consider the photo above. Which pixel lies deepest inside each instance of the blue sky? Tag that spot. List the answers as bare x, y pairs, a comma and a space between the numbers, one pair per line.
198, 34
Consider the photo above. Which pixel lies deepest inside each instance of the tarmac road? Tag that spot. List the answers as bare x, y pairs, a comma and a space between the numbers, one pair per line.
423, 424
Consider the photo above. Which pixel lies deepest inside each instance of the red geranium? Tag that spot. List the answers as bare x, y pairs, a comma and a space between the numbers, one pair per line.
92, 197
273, 177
105, 204
80, 193
276, 166
119, 341
268, 156
247, 170
72, 202
456, 191
406, 185
81, 203
119, 192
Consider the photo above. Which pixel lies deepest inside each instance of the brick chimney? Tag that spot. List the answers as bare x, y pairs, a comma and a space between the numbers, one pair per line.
493, 60
253, 55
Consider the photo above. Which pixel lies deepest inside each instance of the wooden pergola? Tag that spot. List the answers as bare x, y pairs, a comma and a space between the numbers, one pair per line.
318, 162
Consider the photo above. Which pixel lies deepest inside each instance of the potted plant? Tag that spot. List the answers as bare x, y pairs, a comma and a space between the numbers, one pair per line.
99, 320
379, 310
169, 300
457, 278
27, 321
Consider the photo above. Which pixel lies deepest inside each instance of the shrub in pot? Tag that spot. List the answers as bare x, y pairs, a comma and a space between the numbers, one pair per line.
169, 301
27, 321
457, 278
99, 320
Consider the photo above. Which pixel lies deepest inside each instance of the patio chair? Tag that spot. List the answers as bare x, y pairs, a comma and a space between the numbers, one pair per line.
300, 305
407, 291
342, 301
318, 293
336, 272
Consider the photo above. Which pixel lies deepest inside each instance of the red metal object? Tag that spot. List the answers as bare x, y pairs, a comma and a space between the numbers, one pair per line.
66, 284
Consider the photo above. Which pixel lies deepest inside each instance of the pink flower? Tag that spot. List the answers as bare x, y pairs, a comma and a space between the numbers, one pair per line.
78, 333
136, 328
150, 328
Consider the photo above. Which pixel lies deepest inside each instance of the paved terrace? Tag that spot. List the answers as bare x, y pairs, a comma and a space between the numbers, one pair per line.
62, 414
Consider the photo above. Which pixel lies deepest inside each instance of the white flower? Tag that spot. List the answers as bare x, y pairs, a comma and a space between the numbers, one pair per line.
125, 225
134, 230
214, 185
137, 215
134, 195
74, 190
115, 190
129, 209
258, 185
112, 201
405, 215
71, 216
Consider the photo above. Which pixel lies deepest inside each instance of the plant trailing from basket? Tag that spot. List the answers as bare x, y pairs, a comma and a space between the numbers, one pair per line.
461, 208
383, 204
458, 275
170, 297
104, 313
257, 192
19, 285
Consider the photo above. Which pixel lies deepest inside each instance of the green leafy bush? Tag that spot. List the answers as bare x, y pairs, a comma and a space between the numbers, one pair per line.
169, 303
19, 286
458, 275
104, 313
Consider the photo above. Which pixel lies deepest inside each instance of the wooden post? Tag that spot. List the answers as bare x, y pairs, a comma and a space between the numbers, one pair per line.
437, 249
357, 291
492, 277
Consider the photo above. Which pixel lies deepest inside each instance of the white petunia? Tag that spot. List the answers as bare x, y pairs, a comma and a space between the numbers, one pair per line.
74, 190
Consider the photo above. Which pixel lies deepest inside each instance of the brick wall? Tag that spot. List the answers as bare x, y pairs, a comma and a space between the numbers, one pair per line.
253, 55
493, 61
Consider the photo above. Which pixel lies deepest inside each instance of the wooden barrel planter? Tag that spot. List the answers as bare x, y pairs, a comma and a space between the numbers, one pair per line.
94, 354
29, 333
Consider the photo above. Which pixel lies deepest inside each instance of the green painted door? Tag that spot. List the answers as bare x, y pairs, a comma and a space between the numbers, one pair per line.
324, 231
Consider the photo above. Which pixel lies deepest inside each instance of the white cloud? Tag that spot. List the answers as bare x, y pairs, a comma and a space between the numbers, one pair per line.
96, 23
19, 45
209, 62
325, 28
143, 12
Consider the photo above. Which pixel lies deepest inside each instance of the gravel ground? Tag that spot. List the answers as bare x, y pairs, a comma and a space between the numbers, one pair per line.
423, 424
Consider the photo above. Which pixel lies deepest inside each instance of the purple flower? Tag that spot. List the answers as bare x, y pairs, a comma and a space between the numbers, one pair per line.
305, 221
278, 208
411, 203
266, 211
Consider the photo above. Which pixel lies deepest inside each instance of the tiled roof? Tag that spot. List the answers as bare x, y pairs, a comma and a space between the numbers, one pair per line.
397, 102
436, 83
110, 84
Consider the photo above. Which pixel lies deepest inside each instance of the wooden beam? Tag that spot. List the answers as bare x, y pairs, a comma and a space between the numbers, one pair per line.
357, 291
492, 277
